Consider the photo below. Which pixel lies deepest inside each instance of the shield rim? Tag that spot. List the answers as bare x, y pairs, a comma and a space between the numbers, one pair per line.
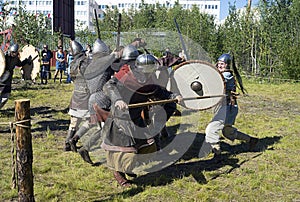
211, 65
3, 56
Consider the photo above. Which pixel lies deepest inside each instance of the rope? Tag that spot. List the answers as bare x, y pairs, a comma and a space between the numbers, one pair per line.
14, 165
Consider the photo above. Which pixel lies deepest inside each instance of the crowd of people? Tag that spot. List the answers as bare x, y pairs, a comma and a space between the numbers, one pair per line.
63, 60
108, 84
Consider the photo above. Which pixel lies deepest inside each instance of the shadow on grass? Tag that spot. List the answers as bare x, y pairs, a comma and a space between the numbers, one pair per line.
262, 145
195, 169
45, 112
55, 125
52, 125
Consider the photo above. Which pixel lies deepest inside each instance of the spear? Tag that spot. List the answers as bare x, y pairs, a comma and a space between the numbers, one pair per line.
97, 25
119, 30
159, 102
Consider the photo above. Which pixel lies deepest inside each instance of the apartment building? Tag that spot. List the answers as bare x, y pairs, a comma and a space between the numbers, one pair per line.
84, 9
211, 7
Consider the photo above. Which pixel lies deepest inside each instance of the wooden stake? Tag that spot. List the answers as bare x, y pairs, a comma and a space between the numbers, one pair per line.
24, 150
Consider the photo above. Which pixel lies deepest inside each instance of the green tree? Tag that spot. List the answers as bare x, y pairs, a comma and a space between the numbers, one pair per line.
30, 28
145, 17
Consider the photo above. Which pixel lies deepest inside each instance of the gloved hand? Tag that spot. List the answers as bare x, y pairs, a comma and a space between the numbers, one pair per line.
120, 104
179, 99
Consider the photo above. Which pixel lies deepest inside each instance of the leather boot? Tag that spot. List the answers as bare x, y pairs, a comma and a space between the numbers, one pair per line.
70, 134
242, 136
121, 179
252, 143
73, 143
85, 155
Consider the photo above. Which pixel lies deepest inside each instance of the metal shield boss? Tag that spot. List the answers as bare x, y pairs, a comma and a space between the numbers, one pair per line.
31, 71
2, 62
199, 78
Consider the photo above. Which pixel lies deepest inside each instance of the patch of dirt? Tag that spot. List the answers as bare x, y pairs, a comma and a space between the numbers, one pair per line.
257, 104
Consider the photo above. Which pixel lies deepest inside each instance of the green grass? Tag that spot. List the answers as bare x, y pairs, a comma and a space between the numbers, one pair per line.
270, 112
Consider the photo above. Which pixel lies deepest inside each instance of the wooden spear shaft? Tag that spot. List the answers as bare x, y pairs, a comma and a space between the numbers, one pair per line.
159, 102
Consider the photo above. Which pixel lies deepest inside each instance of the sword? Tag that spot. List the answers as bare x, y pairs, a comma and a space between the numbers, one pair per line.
159, 102
182, 41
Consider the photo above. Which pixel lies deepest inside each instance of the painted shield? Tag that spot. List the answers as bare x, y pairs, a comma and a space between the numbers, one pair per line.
199, 79
30, 72
2, 62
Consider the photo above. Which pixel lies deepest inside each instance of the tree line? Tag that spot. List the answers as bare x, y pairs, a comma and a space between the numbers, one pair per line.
264, 41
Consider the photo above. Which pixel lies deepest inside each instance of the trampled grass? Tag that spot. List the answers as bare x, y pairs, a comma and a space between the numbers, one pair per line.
270, 112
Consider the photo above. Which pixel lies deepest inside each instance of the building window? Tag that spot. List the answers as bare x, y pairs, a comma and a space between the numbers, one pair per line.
216, 6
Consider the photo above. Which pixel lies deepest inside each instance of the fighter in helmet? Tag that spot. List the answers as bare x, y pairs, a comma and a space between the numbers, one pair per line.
98, 72
78, 111
11, 61
126, 133
129, 54
226, 114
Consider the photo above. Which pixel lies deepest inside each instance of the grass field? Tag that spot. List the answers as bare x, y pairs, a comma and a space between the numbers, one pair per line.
270, 112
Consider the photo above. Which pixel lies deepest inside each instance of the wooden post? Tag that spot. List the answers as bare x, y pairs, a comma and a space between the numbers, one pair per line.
24, 150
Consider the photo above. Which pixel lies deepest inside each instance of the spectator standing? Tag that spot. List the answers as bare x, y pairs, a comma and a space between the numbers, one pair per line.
45, 66
70, 58
49, 56
60, 64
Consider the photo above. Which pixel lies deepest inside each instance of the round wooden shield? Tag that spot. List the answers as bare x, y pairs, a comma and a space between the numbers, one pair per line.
198, 78
2, 62
30, 71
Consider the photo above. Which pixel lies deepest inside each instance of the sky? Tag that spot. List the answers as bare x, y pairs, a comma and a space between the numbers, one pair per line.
239, 4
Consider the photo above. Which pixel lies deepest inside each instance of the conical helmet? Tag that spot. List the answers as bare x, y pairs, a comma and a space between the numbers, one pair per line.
14, 48
146, 63
225, 58
100, 47
76, 47
130, 53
